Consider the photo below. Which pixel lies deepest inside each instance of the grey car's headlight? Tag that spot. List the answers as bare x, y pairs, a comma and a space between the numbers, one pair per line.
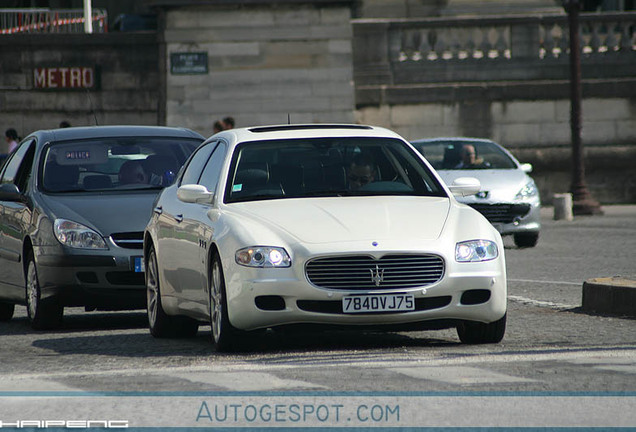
263, 256
529, 190
75, 235
476, 250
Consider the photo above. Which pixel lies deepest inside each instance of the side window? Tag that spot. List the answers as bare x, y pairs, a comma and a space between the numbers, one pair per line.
212, 170
193, 171
18, 168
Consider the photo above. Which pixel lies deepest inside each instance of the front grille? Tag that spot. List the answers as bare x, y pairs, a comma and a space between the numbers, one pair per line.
129, 240
363, 272
502, 213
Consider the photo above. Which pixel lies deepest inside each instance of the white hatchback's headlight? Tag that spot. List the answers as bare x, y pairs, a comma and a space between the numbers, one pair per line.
75, 235
476, 250
529, 190
263, 256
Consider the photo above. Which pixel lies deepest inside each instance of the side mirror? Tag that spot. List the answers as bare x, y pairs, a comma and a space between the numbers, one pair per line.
465, 186
526, 168
10, 192
193, 193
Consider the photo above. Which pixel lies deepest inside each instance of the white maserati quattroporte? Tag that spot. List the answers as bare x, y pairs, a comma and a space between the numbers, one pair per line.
344, 225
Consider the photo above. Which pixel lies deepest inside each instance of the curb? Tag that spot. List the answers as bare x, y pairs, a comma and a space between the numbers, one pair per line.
611, 295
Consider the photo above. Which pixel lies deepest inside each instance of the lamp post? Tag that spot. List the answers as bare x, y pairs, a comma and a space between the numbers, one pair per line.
582, 201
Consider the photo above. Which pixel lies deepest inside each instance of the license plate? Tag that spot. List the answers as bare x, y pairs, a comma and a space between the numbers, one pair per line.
139, 264
378, 303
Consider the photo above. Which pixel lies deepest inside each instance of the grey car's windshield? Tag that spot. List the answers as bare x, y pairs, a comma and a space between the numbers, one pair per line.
327, 167
113, 164
463, 155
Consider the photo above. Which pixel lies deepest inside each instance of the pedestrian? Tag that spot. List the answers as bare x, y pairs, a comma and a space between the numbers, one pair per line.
228, 123
218, 127
11, 136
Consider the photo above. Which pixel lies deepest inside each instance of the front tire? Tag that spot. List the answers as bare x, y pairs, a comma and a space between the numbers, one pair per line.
224, 336
482, 333
160, 323
43, 313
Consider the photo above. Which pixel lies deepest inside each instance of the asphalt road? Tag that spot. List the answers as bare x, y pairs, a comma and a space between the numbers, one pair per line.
551, 346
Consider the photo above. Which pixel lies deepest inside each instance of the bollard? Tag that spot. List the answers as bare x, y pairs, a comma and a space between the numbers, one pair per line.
563, 206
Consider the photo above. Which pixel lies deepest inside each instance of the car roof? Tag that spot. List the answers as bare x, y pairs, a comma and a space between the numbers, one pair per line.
116, 131
317, 130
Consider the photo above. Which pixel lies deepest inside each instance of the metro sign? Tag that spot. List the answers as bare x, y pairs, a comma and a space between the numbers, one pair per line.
64, 78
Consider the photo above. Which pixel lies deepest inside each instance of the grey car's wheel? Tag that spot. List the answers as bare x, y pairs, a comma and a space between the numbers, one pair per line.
6, 311
224, 335
524, 240
161, 324
482, 333
43, 313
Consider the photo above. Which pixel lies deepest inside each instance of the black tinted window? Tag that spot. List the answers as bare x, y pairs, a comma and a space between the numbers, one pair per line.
195, 166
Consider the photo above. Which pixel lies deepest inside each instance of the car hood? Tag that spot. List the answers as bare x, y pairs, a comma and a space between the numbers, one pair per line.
104, 212
500, 185
346, 219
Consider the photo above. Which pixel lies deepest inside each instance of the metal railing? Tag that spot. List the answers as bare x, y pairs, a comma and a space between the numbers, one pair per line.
50, 21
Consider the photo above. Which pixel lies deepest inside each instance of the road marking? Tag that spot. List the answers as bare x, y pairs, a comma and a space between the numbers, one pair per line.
540, 303
245, 381
460, 375
580, 284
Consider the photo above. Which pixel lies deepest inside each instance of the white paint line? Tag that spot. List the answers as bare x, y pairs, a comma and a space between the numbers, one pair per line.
460, 375
546, 282
245, 381
540, 303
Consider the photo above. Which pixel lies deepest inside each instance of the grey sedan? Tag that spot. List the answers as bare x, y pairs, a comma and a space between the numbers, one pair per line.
73, 206
509, 198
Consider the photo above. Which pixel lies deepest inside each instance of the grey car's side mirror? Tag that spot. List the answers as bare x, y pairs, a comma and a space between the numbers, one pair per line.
10, 192
465, 186
194, 193
526, 168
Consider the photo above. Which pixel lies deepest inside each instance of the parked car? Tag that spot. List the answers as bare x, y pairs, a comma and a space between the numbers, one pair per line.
74, 203
319, 224
509, 197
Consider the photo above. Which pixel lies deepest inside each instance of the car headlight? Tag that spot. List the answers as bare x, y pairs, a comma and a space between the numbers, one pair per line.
476, 250
263, 256
529, 190
75, 235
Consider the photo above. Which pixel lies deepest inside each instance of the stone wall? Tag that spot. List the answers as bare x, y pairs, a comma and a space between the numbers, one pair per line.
126, 90
267, 62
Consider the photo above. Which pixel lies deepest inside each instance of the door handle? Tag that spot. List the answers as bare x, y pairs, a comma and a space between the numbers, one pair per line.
178, 218
158, 210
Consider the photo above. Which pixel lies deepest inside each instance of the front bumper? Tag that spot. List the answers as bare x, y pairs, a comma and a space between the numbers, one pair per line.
275, 297
105, 280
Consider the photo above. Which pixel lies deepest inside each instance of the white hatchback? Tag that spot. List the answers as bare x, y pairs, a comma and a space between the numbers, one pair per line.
321, 224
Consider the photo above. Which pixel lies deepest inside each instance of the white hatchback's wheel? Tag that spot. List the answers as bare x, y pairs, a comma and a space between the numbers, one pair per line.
482, 333
224, 335
43, 314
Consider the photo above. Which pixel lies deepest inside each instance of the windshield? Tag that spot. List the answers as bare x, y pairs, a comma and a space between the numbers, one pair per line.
112, 164
320, 167
465, 155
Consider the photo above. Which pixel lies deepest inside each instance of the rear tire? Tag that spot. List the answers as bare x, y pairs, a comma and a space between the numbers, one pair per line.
482, 333
6, 311
525, 240
224, 336
43, 314
161, 324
